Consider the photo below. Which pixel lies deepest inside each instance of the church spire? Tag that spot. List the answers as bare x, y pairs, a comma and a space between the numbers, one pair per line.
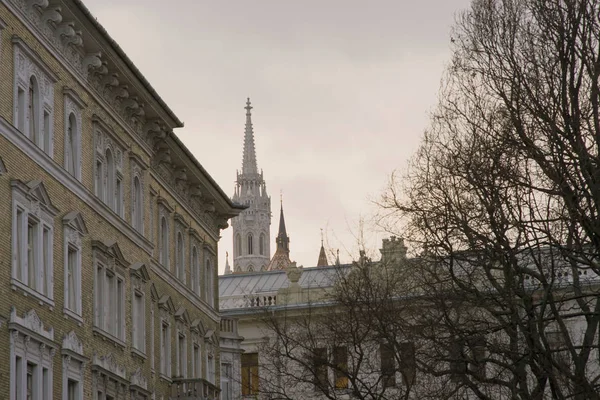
322, 256
281, 258
249, 159
227, 266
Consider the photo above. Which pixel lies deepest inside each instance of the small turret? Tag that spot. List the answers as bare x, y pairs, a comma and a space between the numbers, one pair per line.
322, 262
227, 266
393, 249
281, 258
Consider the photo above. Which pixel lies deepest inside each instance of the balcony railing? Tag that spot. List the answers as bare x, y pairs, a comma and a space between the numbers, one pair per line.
193, 389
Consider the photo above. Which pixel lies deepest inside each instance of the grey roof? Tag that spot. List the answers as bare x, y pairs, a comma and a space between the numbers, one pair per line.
240, 285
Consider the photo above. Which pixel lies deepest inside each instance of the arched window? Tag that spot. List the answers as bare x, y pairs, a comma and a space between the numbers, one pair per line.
238, 245
71, 148
208, 289
33, 110
100, 179
250, 244
109, 194
261, 244
164, 242
195, 271
180, 255
137, 205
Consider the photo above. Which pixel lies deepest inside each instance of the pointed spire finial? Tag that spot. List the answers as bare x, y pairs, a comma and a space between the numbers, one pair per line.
227, 266
322, 261
249, 159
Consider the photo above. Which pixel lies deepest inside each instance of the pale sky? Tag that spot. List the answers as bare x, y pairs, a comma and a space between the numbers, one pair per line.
341, 90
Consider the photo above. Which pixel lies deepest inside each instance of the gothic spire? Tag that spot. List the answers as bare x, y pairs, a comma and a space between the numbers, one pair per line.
281, 258
227, 266
322, 256
249, 161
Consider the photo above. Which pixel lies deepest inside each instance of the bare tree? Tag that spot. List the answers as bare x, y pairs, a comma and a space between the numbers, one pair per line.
503, 201
351, 342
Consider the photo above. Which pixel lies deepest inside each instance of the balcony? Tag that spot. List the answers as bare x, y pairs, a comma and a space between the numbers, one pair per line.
193, 389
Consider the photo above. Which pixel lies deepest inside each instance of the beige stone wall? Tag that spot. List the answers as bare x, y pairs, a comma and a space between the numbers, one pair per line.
21, 165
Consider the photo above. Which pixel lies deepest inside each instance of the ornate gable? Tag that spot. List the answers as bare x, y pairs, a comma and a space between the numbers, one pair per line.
166, 303
74, 220
31, 322
112, 253
182, 316
72, 343
140, 271
109, 363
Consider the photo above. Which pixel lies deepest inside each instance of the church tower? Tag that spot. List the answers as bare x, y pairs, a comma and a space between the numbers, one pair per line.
251, 229
281, 258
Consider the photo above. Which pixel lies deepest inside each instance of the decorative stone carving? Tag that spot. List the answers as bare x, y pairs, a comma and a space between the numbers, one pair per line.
52, 16
72, 342
138, 379
93, 61
32, 322
109, 363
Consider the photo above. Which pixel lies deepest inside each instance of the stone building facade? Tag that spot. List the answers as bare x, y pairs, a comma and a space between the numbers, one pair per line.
110, 225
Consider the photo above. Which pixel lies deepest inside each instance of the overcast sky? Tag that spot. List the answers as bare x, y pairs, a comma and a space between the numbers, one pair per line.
341, 91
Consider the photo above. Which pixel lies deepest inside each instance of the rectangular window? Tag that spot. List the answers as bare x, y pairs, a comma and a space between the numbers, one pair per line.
119, 197
46, 270
120, 318
226, 393
45, 142
320, 378
72, 390
31, 388
408, 366
21, 265
100, 180
388, 365
19, 377
196, 362
181, 356
211, 369
72, 276
45, 384
139, 322
249, 374
109, 302
32, 249
100, 296
21, 110
165, 349
340, 362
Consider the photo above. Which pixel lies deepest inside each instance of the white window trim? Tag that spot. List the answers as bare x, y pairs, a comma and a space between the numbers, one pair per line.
108, 378
28, 64
38, 349
182, 358
108, 264
138, 348
165, 359
180, 272
31, 199
74, 230
73, 104
74, 364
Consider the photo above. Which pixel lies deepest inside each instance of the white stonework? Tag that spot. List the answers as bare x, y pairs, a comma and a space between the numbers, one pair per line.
251, 229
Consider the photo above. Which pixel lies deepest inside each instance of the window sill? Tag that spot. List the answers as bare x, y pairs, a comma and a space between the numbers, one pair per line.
73, 315
138, 353
27, 291
165, 378
108, 336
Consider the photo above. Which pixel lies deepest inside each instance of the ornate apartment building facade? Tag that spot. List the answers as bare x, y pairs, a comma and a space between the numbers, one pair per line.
110, 225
